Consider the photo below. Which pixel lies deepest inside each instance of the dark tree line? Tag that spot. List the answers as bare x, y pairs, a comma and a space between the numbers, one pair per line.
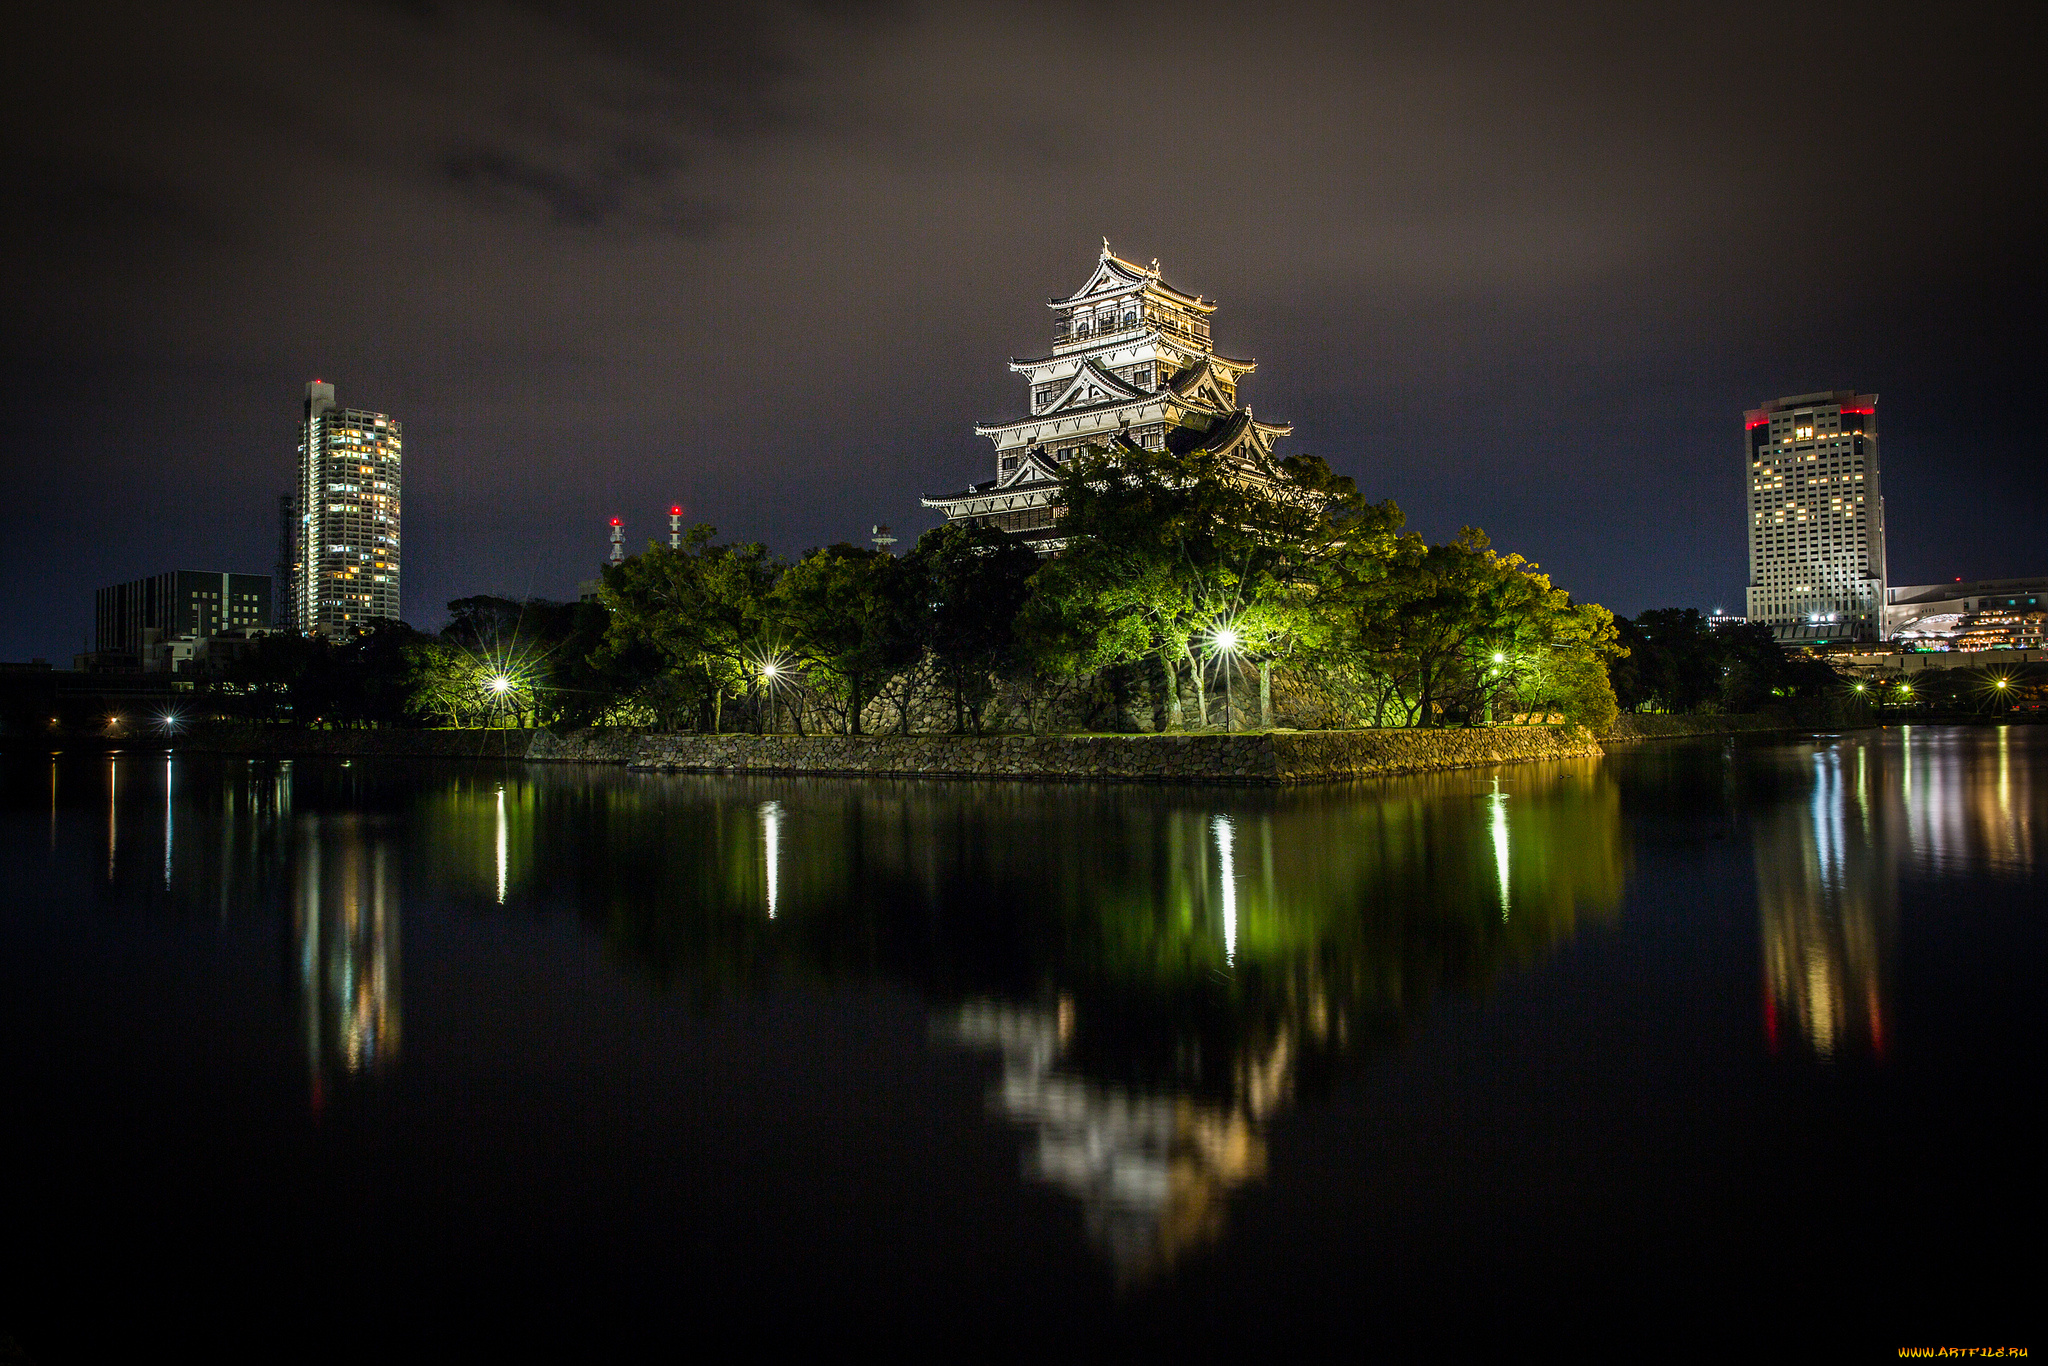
1181, 581
1678, 662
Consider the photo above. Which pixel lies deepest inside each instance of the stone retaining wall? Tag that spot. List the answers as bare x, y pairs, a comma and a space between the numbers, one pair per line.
1270, 758
293, 741
1630, 729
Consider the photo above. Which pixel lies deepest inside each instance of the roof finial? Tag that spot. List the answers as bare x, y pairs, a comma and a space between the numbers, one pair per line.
1105, 248
1155, 267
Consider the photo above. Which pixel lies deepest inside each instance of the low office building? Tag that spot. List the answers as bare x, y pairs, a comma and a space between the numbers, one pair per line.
1932, 615
144, 619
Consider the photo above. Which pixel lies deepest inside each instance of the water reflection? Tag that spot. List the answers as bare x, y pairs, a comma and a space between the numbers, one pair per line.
1851, 815
771, 851
1153, 1172
1827, 891
345, 914
1154, 974
1158, 973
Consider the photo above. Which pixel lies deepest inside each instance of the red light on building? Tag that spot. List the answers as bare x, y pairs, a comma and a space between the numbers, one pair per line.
676, 511
617, 522
1752, 426
1867, 412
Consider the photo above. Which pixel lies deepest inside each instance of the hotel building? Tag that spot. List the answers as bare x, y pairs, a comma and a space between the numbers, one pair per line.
1816, 517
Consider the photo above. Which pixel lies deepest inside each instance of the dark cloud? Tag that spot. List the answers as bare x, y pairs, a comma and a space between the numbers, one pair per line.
1510, 265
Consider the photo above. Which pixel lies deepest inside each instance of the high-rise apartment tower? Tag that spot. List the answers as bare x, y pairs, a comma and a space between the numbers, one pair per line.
345, 569
1816, 517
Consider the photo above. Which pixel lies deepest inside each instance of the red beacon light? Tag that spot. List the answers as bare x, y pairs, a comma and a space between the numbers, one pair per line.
617, 522
676, 511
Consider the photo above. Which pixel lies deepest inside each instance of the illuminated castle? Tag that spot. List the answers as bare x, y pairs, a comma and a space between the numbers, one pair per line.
1131, 368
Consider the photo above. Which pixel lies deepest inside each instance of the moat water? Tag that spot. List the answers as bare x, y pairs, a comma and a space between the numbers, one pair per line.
1705, 1043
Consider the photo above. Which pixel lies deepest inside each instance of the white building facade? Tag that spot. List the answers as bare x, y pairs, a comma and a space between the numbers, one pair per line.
1816, 517
1131, 368
346, 567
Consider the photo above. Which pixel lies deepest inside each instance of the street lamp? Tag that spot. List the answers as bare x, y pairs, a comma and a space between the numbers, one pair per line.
499, 684
1223, 641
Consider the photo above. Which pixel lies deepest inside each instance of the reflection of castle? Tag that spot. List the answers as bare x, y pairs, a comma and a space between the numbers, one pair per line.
345, 937
1827, 891
1153, 1172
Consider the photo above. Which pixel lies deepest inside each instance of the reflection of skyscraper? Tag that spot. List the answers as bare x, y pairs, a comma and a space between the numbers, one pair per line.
1827, 883
345, 932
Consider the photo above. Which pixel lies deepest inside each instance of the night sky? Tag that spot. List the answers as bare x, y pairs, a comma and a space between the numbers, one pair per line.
1509, 265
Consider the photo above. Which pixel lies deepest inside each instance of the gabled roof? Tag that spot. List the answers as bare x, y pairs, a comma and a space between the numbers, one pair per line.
1092, 385
1202, 383
1034, 467
1113, 273
1230, 437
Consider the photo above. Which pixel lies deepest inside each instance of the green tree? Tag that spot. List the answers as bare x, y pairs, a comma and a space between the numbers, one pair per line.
700, 613
1167, 551
975, 582
850, 623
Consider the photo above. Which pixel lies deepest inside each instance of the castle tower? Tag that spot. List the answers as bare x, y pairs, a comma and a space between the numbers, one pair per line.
1131, 368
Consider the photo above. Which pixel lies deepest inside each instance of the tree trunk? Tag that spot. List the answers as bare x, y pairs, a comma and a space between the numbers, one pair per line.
717, 709
1266, 694
1167, 666
1201, 687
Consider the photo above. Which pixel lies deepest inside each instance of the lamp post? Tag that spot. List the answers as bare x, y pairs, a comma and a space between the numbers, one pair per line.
1224, 641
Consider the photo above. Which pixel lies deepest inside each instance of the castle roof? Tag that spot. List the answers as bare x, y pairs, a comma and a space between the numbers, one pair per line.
1112, 273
